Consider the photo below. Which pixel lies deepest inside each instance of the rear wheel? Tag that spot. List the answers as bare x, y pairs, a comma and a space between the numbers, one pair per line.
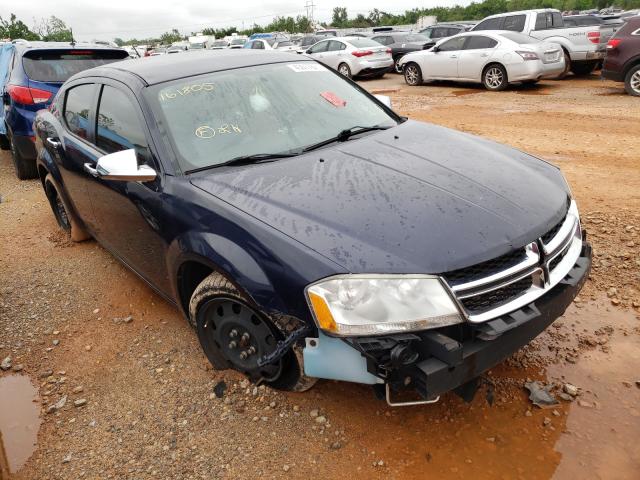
25, 167
397, 67
4, 142
412, 74
494, 78
583, 68
567, 66
233, 334
632, 81
343, 69
61, 211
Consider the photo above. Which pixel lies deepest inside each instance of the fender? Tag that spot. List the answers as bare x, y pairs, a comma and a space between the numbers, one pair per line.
629, 64
228, 258
563, 42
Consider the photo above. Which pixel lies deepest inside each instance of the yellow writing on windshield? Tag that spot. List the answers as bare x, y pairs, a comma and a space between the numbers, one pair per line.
206, 131
171, 94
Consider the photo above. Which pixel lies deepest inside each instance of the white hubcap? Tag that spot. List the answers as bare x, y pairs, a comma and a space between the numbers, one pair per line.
412, 75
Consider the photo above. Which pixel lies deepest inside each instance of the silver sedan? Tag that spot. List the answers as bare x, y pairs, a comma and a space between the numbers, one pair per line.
493, 58
353, 56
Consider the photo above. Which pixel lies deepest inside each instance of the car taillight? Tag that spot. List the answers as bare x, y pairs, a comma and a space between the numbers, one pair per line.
594, 37
613, 43
389, 51
527, 55
28, 96
361, 53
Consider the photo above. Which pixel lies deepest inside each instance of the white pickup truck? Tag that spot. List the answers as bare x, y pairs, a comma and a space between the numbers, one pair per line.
584, 47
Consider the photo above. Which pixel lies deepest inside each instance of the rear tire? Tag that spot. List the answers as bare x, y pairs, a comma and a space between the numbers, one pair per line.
494, 78
632, 81
217, 305
344, 70
4, 143
61, 211
583, 68
397, 67
567, 66
26, 169
412, 74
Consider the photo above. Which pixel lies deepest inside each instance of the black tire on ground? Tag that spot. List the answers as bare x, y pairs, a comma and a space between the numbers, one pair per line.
61, 211
529, 82
25, 168
396, 67
343, 69
494, 77
4, 143
632, 81
216, 291
412, 74
567, 66
583, 68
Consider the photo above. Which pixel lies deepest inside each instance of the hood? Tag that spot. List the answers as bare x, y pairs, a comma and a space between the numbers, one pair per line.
417, 198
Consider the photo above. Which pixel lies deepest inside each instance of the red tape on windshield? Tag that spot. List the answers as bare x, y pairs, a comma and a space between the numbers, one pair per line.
333, 99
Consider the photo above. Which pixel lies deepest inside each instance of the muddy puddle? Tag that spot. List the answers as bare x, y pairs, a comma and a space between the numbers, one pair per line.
19, 421
512, 439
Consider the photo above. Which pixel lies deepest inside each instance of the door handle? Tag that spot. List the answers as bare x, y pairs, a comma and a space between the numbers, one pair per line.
453, 56
484, 55
53, 142
90, 170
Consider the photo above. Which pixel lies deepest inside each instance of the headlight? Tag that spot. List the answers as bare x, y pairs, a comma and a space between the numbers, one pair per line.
349, 305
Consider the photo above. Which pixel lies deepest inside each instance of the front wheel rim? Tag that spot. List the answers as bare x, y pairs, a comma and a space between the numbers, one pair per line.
344, 70
494, 77
398, 67
412, 75
635, 82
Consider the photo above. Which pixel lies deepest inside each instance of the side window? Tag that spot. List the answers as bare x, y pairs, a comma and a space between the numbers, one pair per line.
258, 45
542, 21
477, 42
453, 44
453, 31
515, 23
380, 40
556, 20
440, 32
118, 124
335, 46
78, 104
568, 22
428, 32
490, 24
320, 47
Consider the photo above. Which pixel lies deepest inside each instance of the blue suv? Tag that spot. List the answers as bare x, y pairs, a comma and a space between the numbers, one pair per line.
32, 74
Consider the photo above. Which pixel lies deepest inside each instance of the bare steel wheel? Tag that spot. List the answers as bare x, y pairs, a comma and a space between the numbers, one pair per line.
234, 334
632, 81
343, 69
412, 74
495, 78
64, 217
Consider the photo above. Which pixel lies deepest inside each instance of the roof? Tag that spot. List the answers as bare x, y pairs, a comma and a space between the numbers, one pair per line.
164, 68
39, 45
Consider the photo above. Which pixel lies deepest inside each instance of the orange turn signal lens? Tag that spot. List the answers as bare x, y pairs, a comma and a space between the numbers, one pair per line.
323, 314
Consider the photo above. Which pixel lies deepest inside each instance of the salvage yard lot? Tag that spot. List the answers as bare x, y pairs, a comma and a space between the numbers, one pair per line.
151, 411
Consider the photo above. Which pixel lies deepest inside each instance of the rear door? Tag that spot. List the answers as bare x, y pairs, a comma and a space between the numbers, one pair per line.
128, 215
444, 62
335, 54
477, 52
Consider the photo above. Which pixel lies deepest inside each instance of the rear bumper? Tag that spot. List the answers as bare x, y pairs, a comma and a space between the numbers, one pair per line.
614, 75
450, 359
534, 70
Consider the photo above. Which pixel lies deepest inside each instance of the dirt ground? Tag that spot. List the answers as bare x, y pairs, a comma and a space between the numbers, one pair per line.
106, 380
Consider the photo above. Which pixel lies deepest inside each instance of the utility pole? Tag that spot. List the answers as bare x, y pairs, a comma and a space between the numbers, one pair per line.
309, 5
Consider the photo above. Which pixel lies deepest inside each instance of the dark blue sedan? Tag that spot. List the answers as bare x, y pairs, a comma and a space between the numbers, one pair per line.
306, 230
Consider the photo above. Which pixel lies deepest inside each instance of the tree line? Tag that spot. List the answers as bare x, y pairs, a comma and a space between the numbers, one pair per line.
54, 29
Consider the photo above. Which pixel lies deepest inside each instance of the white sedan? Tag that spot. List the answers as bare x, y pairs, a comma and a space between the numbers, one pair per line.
493, 58
353, 56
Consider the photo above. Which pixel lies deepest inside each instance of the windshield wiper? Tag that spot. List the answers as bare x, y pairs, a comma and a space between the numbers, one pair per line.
344, 135
246, 160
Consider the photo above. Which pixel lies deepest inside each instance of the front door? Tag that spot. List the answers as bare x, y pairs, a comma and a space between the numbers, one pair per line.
444, 62
128, 214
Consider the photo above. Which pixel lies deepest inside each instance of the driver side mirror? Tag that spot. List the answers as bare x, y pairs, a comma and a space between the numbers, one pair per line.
123, 166
435, 49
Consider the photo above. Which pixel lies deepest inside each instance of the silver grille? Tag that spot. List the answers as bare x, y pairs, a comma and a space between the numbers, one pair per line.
543, 264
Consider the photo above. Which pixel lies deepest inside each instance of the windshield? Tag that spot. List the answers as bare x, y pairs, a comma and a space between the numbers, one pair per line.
59, 65
220, 43
270, 109
519, 38
237, 42
284, 44
196, 46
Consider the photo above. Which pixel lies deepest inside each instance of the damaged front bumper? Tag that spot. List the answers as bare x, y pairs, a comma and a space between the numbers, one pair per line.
433, 362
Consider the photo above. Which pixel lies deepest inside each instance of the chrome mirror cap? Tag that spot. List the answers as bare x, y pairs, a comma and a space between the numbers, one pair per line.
123, 166
384, 100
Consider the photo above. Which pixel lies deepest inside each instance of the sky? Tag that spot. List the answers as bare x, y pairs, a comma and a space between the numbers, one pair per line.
106, 20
